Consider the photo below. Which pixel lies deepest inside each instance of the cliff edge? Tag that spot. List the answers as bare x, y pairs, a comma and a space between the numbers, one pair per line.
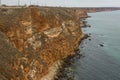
33, 39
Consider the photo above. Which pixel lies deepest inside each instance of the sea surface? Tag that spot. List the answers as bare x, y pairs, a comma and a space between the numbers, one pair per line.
100, 62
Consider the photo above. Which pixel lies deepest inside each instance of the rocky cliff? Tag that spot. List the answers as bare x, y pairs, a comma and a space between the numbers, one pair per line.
98, 9
34, 40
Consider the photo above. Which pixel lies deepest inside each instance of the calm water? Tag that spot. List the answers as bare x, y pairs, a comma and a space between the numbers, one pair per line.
100, 63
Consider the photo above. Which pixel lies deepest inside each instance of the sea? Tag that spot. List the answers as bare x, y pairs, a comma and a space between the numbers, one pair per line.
100, 58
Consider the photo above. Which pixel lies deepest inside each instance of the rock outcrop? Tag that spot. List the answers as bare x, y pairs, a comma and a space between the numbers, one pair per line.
33, 39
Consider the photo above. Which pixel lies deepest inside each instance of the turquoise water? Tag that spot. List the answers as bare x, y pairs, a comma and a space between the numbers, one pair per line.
100, 63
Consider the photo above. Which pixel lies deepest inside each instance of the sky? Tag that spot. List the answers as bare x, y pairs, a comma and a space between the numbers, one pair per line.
66, 3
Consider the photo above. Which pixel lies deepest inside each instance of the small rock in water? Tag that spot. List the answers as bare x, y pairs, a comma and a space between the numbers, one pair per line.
102, 45
86, 36
89, 39
82, 47
89, 34
88, 25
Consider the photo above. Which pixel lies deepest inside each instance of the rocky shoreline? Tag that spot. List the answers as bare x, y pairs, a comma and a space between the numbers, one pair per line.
65, 72
39, 43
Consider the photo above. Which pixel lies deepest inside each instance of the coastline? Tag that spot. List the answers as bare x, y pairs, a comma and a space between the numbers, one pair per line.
60, 69
97, 56
64, 71
41, 41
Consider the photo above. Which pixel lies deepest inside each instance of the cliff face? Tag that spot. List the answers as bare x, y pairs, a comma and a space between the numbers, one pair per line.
98, 9
33, 39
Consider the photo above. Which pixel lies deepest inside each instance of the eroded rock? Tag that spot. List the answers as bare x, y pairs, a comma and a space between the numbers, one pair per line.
32, 39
